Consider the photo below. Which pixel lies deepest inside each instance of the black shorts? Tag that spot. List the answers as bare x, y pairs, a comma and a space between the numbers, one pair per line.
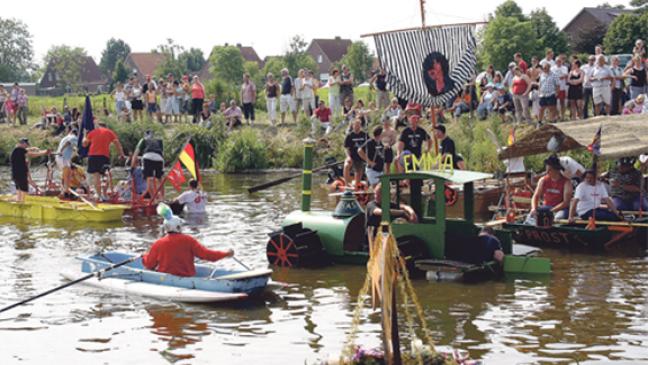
548, 100
137, 104
196, 106
21, 183
389, 155
98, 164
153, 168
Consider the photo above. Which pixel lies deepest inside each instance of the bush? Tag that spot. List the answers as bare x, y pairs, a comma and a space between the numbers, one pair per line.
206, 142
131, 133
243, 150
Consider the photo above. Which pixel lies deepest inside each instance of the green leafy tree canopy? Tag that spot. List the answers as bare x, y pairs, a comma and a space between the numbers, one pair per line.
16, 52
116, 50
510, 8
296, 57
67, 63
226, 64
359, 60
120, 73
624, 31
547, 33
503, 37
171, 64
193, 59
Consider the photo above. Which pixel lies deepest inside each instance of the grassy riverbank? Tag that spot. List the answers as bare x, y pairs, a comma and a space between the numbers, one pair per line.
261, 146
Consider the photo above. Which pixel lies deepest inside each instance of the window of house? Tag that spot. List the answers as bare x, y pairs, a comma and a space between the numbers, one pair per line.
50, 77
320, 59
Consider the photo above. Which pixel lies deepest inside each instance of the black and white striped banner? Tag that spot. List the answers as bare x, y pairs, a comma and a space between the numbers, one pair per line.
429, 66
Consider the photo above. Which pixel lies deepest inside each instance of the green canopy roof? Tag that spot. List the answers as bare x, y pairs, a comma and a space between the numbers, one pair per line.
453, 176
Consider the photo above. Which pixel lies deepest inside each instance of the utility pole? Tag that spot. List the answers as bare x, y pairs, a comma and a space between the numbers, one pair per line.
422, 2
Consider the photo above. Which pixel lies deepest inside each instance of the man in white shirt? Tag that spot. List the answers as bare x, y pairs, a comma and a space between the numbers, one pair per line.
601, 86
587, 201
562, 73
571, 168
194, 200
587, 69
64, 156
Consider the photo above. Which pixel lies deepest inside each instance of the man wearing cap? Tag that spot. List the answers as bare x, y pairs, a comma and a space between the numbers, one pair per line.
99, 141
447, 147
625, 181
175, 252
554, 190
411, 140
587, 200
152, 151
64, 157
20, 168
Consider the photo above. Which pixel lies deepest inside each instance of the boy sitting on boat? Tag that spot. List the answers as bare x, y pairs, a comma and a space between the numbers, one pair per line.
587, 201
554, 190
175, 252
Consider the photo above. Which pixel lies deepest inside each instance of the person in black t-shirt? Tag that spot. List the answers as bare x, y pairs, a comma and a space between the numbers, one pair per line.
411, 140
19, 167
354, 140
447, 147
374, 212
373, 153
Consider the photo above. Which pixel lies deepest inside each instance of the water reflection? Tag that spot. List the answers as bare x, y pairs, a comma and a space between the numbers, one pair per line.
593, 309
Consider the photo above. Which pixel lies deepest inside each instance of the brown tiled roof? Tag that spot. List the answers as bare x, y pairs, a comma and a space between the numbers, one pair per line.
90, 72
146, 62
249, 54
335, 48
605, 16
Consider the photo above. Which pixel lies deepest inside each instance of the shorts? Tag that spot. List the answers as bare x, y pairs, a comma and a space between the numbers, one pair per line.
21, 183
63, 163
562, 94
358, 165
151, 108
548, 100
389, 155
373, 176
98, 164
137, 104
602, 95
286, 102
119, 105
153, 168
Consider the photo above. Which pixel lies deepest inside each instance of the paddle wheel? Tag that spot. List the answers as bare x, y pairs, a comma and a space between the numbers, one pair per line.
295, 246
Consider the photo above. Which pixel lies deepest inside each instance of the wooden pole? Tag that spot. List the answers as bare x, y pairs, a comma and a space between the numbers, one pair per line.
422, 2
395, 340
418, 28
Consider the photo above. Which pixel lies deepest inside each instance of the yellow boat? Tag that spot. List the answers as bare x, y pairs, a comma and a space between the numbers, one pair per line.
53, 208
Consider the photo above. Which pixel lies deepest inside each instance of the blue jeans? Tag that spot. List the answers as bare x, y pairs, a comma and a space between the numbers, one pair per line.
484, 109
630, 204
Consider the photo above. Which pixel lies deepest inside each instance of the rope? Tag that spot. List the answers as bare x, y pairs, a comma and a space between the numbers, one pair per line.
349, 347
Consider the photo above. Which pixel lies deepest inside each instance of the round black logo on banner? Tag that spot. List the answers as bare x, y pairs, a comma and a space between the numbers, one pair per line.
436, 74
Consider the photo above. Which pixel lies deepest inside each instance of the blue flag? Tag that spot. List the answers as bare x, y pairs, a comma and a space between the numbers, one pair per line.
87, 124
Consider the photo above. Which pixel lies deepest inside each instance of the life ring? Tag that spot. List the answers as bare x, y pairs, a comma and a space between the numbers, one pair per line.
451, 195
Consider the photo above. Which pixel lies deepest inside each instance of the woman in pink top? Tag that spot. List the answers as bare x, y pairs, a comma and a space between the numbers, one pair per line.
197, 98
521, 86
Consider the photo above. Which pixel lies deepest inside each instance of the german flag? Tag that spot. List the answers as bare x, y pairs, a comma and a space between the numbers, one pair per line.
188, 159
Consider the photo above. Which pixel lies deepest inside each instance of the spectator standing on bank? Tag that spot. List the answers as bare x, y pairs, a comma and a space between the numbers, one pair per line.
562, 73
271, 94
297, 97
197, 98
638, 77
379, 81
588, 69
520, 62
22, 103
618, 83
521, 86
601, 87
575, 90
334, 91
308, 93
286, 100
548, 88
135, 97
248, 98
346, 85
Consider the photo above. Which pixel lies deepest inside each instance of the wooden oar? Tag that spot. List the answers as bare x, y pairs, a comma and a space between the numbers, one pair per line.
83, 278
604, 223
83, 199
288, 178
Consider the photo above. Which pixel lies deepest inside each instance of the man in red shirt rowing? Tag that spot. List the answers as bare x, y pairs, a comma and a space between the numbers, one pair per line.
99, 140
175, 252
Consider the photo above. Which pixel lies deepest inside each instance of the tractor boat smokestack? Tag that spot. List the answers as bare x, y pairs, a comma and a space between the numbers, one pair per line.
307, 177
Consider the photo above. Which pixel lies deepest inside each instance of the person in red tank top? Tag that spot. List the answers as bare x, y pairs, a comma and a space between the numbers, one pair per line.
554, 190
175, 252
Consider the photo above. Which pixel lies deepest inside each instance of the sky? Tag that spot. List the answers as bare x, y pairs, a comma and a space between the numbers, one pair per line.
265, 25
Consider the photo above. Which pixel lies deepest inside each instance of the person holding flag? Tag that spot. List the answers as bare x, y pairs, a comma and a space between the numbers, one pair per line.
98, 142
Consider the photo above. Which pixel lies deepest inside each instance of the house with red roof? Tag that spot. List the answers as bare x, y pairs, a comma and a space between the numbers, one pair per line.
326, 52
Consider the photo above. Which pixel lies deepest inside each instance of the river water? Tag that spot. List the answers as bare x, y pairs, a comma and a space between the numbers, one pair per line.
592, 310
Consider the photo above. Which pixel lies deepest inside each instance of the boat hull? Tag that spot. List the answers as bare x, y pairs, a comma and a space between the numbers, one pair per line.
53, 208
133, 278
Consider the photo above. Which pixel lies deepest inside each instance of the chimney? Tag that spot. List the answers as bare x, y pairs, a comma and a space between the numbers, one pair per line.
337, 38
238, 45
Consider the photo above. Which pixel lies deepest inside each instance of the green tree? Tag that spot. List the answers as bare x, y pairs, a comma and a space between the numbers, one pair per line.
171, 64
252, 68
193, 59
359, 60
296, 57
624, 31
510, 8
274, 65
503, 36
67, 63
638, 3
16, 50
547, 33
120, 72
116, 50
226, 64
